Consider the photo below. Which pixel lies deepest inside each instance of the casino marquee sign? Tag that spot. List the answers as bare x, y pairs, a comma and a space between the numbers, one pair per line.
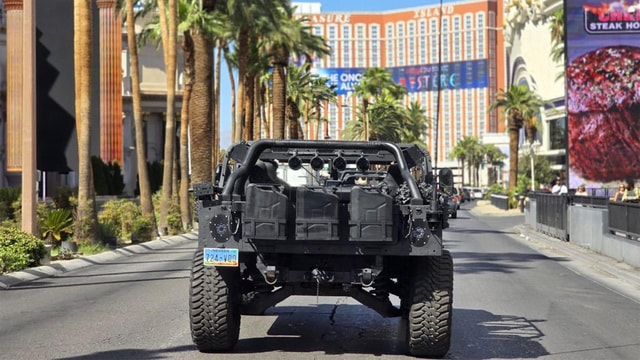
613, 17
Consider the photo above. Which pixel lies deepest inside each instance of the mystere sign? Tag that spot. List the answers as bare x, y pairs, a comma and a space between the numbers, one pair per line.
418, 78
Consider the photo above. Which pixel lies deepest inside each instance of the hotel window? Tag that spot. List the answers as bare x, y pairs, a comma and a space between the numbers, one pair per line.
411, 29
456, 38
333, 121
423, 41
434, 40
469, 111
333, 58
445, 39
458, 113
317, 30
389, 37
446, 125
401, 36
375, 45
346, 46
480, 35
360, 51
468, 37
482, 114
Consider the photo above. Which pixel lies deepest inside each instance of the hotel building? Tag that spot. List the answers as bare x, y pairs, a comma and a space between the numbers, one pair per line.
465, 37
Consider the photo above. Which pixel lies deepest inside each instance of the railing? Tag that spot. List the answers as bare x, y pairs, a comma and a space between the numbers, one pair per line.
623, 218
551, 215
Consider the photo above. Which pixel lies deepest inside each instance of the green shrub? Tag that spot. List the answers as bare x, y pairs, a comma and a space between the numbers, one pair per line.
174, 219
7, 197
142, 230
120, 214
56, 225
63, 198
19, 250
107, 177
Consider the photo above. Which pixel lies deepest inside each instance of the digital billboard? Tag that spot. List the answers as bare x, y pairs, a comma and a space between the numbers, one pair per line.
603, 91
416, 78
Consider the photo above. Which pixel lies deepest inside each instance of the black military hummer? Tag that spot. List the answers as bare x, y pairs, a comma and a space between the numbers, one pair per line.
331, 218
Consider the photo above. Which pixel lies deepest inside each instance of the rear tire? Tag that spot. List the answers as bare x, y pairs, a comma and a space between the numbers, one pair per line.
214, 306
430, 307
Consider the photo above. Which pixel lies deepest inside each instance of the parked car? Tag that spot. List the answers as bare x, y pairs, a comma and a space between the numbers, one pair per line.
477, 193
465, 194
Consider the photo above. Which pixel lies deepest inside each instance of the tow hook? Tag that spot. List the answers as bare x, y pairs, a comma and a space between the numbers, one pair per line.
366, 276
271, 275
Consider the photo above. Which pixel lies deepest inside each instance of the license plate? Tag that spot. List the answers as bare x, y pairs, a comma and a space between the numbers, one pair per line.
220, 257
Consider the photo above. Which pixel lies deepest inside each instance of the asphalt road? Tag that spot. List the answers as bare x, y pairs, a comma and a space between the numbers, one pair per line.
510, 301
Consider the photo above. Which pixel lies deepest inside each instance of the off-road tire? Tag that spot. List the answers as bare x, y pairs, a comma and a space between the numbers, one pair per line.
431, 310
214, 306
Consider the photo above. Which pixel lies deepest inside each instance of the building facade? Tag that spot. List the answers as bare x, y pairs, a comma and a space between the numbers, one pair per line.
460, 41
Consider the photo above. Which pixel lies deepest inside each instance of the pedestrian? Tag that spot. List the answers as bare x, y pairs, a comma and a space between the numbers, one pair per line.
559, 188
619, 194
581, 191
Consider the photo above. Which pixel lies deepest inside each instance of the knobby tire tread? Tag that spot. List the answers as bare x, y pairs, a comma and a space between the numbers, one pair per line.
431, 310
214, 306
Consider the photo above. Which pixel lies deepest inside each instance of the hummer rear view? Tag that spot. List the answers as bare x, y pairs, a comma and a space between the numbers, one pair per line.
331, 218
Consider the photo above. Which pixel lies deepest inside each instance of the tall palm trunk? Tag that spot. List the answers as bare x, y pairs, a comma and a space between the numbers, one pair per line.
514, 137
247, 126
319, 124
146, 203
168, 22
200, 110
243, 59
187, 53
85, 224
279, 95
268, 115
216, 108
257, 101
232, 84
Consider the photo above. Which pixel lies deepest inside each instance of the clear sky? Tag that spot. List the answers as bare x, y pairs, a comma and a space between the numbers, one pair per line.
327, 6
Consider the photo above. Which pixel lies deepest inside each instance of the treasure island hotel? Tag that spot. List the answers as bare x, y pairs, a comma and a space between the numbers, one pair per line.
406, 41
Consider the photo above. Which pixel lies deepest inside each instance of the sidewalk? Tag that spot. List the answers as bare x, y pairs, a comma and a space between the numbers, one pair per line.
58, 268
484, 208
608, 272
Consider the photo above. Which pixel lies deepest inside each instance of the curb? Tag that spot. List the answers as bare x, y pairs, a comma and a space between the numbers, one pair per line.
45, 271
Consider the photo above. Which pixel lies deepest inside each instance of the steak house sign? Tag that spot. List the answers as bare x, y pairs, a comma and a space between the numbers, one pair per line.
346, 18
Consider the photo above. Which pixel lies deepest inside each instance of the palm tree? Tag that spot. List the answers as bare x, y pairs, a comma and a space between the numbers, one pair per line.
86, 216
556, 26
322, 92
298, 82
370, 87
385, 117
494, 157
146, 204
415, 125
288, 36
520, 106
467, 150
169, 28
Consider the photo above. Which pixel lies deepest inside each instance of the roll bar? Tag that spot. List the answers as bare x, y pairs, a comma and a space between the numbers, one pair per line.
257, 147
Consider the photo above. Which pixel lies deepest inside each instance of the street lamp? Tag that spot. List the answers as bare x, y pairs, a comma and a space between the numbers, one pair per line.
532, 153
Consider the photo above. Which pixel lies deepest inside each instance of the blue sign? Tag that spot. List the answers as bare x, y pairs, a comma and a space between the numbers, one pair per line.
417, 78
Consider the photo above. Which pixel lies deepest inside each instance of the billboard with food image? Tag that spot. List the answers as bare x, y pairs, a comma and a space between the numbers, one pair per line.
603, 91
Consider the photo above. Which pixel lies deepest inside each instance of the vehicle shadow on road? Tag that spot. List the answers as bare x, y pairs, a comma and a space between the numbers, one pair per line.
479, 334
134, 354
509, 262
